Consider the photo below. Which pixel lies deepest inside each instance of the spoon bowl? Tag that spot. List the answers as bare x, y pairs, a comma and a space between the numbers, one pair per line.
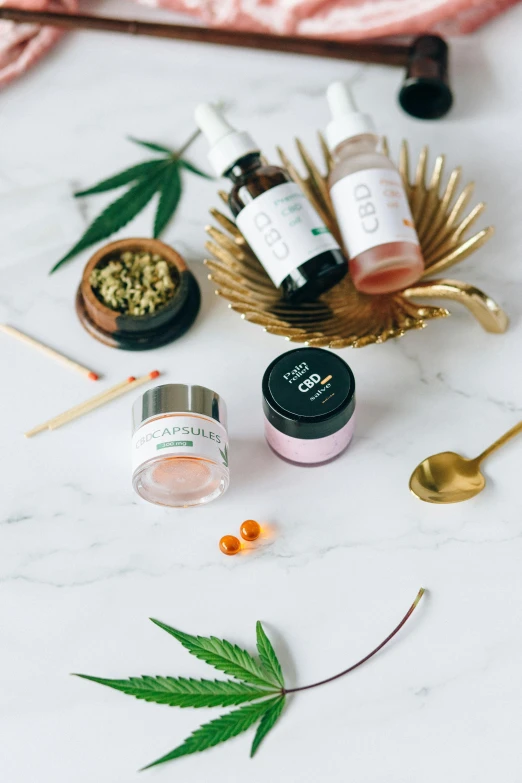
447, 478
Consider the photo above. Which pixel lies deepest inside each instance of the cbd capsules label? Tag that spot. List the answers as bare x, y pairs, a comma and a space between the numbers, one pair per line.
284, 230
372, 209
182, 435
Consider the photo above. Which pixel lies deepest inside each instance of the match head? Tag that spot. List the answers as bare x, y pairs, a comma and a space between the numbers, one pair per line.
93, 376
154, 374
131, 379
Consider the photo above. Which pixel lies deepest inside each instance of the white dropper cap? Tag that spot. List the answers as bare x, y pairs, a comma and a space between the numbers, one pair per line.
227, 145
346, 121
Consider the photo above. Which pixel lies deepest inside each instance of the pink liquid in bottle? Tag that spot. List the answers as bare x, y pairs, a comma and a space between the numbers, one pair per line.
370, 203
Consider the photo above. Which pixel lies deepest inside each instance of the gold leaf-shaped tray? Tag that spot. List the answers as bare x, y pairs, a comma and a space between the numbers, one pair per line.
343, 316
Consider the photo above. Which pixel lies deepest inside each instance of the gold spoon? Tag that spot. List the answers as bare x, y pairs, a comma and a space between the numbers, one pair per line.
449, 478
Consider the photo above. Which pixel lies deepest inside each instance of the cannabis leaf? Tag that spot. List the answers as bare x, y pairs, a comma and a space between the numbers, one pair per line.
222, 655
219, 730
268, 656
116, 216
267, 722
170, 194
224, 456
260, 684
183, 692
151, 145
160, 175
140, 171
194, 169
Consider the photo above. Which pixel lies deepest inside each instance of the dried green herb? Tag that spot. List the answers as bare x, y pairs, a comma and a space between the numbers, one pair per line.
161, 175
260, 687
134, 283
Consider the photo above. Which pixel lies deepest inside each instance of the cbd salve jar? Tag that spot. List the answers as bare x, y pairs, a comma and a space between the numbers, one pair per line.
179, 445
309, 405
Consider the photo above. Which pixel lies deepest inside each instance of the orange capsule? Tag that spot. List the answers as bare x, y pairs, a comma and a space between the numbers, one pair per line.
230, 545
250, 530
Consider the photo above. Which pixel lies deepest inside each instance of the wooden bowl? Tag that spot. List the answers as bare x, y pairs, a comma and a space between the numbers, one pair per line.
139, 332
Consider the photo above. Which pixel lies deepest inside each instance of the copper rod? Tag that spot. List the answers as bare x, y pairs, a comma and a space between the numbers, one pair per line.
370, 52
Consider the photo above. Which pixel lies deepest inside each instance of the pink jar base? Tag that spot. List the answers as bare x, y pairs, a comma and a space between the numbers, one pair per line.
299, 451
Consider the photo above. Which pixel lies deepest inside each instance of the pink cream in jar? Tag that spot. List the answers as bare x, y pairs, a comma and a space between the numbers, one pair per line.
309, 406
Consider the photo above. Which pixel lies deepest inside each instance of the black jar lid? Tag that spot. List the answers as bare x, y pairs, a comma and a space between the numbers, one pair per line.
308, 393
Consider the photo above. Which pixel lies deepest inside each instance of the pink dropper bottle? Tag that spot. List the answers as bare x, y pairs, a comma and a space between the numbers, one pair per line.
370, 203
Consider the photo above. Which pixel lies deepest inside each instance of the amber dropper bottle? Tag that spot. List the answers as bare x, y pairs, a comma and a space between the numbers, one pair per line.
285, 232
369, 201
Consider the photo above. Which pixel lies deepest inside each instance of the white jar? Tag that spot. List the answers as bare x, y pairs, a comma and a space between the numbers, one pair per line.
180, 445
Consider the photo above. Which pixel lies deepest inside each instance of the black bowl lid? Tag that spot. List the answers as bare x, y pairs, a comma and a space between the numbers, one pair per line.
181, 315
308, 393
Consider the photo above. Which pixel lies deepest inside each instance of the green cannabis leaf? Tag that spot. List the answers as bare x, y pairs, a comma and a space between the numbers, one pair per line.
170, 194
268, 656
267, 721
222, 655
150, 145
218, 730
116, 216
140, 171
183, 692
224, 456
160, 175
260, 683
194, 169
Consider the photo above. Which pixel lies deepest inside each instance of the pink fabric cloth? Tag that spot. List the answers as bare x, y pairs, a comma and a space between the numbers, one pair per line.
346, 19
23, 45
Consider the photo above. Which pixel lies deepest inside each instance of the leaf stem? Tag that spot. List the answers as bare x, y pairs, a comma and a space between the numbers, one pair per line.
366, 657
192, 138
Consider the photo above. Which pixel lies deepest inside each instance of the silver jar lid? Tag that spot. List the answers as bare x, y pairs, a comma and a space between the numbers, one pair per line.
178, 398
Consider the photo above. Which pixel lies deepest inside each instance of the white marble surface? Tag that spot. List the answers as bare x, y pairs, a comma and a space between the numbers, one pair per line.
84, 563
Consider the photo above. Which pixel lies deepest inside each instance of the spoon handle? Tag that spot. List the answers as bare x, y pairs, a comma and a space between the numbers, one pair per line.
500, 442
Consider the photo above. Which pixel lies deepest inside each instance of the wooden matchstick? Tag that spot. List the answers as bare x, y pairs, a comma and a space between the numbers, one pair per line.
59, 357
46, 425
92, 404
